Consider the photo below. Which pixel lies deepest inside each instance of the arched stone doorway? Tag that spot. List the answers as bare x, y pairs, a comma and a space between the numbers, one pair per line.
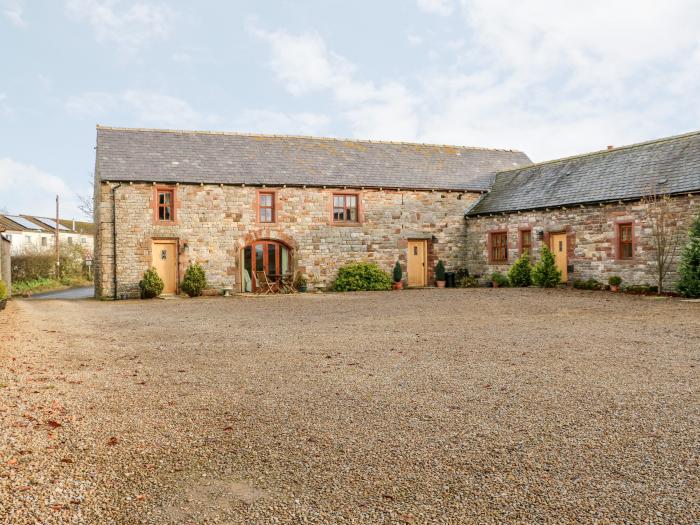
268, 255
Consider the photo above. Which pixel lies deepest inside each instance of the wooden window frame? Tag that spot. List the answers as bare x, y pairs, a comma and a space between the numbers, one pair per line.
157, 190
345, 195
619, 242
521, 245
272, 207
491, 237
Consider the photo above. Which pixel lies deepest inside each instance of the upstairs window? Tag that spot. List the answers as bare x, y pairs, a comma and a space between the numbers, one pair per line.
345, 208
266, 207
166, 205
526, 242
625, 248
499, 247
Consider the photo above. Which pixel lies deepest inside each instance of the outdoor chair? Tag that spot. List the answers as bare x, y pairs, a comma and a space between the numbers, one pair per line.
287, 283
264, 285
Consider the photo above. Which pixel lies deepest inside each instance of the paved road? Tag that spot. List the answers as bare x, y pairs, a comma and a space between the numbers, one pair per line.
85, 292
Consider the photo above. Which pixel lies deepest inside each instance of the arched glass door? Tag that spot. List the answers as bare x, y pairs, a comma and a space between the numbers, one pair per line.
271, 257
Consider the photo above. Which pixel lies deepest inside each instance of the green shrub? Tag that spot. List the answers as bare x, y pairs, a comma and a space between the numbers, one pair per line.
195, 280
3, 290
588, 284
361, 276
151, 285
545, 273
520, 274
499, 279
440, 271
467, 281
640, 288
398, 273
689, 268
614, 280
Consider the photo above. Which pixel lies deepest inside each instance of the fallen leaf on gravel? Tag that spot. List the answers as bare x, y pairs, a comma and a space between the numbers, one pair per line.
66, 460
53, 424
13, 461
24, 488
228, 429
112, 441
140, 497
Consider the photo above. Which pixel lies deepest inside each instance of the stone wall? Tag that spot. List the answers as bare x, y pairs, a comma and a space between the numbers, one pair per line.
591, 238
214, 223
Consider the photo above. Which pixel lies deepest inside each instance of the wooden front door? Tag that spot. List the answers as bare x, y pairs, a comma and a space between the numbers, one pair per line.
417, 263
558, 242
164, 260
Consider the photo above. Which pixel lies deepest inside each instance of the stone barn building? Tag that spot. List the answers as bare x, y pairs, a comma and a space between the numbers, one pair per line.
239, 203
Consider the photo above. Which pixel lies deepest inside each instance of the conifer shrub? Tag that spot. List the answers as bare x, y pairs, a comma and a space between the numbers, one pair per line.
520, 274
689, 268
398, 273
361, 276
440, 271
195, 280
545, 273
151, 285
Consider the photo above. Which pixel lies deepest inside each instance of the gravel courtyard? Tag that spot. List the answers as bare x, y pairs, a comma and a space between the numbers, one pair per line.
429, 406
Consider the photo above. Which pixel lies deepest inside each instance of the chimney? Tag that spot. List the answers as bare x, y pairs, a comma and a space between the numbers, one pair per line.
74, 219
611, 147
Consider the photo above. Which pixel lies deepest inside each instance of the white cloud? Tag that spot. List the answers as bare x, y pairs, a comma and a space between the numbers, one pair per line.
145, 107
13, 11
558, 78
438, 7
304, 64
33, 191
275, 122
128, 26
551, 78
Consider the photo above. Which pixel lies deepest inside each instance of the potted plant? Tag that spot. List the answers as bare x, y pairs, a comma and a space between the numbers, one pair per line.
499, 280
3, 295
615, 281
440, 274
300, 282
397, 275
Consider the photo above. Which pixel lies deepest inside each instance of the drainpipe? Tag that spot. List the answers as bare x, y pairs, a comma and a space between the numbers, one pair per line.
114, 237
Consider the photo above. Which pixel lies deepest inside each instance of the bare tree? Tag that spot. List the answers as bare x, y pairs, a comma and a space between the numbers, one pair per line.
666, 234
86, 202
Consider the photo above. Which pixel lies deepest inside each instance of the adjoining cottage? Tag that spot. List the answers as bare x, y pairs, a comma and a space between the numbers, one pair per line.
239, 203
243, 203
593, 211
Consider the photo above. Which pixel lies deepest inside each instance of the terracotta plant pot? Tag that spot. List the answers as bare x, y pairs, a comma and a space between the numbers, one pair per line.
440, 284
494, 284
614, 287
398, 285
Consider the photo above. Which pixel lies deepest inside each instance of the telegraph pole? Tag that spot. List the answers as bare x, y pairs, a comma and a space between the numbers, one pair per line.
56, 243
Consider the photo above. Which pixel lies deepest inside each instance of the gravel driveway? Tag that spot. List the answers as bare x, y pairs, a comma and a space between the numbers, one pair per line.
430, 406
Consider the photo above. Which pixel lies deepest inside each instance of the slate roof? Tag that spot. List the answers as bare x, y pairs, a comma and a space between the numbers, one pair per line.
125, 154
671, 165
